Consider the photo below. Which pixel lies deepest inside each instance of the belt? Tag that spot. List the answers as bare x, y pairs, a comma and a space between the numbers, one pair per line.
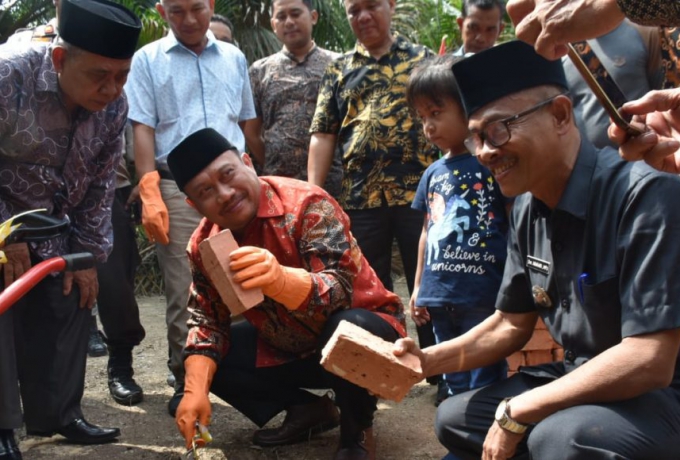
165, 174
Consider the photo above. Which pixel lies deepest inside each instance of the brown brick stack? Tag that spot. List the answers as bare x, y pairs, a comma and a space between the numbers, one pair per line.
541, 348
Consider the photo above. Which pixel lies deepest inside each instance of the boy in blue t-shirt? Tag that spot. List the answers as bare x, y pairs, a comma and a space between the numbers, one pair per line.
462, 247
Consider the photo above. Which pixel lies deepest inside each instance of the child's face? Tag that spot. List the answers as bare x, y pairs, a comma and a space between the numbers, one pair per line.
444, 123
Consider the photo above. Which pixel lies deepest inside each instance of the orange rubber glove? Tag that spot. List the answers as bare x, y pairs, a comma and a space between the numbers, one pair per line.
195, 404
154, 212
257, 267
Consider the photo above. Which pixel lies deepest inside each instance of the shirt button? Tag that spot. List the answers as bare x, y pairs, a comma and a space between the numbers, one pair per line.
569, 356
565, 303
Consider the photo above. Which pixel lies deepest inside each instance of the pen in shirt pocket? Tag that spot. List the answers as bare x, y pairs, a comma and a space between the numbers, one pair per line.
582, 279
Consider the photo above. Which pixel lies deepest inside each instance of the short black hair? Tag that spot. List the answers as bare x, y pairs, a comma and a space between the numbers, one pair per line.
224, 20
307, 3
433, 80
482, 5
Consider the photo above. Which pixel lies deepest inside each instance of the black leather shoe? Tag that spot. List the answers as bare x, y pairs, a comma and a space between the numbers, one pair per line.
356, 443
123, 388
80, 431
8, 446
125, 391
301, 423
173, 404
95, 344
362, 447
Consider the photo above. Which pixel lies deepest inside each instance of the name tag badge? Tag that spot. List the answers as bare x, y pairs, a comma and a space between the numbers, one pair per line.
538, 265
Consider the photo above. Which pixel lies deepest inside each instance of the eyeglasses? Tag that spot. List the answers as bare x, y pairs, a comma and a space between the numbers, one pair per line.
497, 133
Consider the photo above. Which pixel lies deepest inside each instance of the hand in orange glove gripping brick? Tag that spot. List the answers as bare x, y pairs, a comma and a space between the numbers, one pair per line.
154, 212
257, 267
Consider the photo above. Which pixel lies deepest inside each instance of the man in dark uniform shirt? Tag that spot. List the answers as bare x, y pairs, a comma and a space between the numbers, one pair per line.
592, 250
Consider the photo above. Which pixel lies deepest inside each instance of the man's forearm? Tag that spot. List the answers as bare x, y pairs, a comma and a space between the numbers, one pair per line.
635, 366
321, 151
495, 338
253, 133
145, 148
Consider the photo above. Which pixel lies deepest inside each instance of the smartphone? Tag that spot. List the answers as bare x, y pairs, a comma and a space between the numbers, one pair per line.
623, 121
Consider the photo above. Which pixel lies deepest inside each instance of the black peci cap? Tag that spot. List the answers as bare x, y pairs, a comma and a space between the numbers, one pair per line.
194, 153
100, 26
503, 70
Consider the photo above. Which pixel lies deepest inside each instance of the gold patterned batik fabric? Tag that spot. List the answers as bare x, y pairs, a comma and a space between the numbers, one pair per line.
604, 79
363, 101
670, 41
664, 13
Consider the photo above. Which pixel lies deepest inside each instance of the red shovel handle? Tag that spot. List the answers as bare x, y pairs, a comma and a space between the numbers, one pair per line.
35, 274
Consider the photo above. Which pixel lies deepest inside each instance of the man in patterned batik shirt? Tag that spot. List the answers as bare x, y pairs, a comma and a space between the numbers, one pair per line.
362, 110
262, 365
285, 89
62, 113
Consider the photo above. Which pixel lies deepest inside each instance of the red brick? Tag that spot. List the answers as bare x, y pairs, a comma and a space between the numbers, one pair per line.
558, 354
368, 361
215, 255
536, 357
515, 360
540, 340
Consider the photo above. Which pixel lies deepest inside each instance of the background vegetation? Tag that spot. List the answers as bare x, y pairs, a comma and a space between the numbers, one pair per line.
422, 21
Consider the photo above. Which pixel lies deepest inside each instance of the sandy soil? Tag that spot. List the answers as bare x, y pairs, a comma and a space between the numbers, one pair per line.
404, 431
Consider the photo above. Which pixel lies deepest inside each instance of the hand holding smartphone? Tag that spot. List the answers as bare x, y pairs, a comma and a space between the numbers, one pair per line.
623, 121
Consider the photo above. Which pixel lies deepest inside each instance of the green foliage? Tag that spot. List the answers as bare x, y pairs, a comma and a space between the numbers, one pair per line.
332, 31
19, 14
253, 29
422, 21
428, 21
153, 25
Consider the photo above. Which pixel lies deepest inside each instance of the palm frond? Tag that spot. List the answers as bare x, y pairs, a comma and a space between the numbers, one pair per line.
332, 30
153, 25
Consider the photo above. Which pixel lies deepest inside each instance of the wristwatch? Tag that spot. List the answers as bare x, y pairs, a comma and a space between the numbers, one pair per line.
505, 421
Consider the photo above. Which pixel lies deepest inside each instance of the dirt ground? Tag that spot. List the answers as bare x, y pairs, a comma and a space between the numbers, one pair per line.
404, 431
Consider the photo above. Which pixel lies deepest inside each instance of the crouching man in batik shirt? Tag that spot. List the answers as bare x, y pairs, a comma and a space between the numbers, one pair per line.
296, 246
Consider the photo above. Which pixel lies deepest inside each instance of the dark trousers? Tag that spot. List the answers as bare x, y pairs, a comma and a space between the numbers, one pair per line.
50, 340
118, 309
260, 393
10, 406
642, 428
451, 322
375, 230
